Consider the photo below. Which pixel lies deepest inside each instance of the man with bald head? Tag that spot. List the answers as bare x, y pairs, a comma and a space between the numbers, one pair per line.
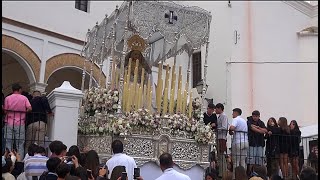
166, 165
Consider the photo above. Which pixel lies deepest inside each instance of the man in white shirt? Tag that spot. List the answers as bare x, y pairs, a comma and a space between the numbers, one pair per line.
239, 145
166, 165
120, 159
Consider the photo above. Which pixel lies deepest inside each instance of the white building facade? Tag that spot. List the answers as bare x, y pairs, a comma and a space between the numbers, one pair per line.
262, 55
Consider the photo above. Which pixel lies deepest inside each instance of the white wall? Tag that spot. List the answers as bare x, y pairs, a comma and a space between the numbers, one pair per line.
58, 16
273, 38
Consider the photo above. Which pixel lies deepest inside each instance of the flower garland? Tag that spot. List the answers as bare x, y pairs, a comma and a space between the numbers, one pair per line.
100, 106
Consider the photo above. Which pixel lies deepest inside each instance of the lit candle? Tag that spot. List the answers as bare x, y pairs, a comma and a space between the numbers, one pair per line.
148, 91
142, 77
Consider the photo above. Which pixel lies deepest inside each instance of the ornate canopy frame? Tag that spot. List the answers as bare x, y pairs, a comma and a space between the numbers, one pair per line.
168, 26
159, 30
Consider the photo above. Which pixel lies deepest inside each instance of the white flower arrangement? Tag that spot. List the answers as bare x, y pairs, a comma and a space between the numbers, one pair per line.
204, 134
196, 106
97, 100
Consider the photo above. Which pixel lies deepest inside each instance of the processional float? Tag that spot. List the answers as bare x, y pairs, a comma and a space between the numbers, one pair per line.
151, 115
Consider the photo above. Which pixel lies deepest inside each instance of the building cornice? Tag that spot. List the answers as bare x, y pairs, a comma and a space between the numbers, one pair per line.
42, 31
304, 7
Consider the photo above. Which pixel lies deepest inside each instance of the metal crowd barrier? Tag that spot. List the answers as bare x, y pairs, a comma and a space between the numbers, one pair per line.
307, 153
20, 129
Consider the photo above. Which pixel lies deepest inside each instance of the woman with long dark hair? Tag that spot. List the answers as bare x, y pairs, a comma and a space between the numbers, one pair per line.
92, 163
272, 147
284, 145
295, 140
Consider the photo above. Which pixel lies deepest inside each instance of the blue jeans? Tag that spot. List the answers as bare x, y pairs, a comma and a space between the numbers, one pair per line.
15, 133
255, 155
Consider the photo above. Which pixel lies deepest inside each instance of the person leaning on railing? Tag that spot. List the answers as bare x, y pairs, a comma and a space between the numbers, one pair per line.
15, 107
37, 119
272, 147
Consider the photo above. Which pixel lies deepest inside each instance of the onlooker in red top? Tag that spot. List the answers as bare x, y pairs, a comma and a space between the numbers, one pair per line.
16, 106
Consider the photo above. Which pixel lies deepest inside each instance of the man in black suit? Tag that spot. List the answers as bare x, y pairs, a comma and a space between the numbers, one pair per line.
210, 117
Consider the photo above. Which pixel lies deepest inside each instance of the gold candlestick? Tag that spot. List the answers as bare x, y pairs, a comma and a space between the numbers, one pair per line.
150, 101
190, 106
158, 96
144, 96
135, 78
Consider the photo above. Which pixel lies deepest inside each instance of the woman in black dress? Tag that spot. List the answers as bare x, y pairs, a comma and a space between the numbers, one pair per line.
284, 145
272, 147
295, 139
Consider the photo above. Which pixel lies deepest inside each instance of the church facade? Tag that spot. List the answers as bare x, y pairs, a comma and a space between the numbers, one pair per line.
262, 55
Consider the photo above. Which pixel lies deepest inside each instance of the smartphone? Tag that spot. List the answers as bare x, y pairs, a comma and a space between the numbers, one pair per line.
124, 176
89, 173
136, 173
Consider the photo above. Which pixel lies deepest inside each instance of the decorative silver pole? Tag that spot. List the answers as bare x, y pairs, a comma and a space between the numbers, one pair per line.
204, 89
83, 54
91, 58
123, 53
102, 49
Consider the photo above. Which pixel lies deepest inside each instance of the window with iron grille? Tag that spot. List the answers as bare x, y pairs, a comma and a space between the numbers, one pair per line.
82, 5
196, 69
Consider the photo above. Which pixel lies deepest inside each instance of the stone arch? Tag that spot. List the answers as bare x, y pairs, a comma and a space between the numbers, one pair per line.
71, 60
24, 55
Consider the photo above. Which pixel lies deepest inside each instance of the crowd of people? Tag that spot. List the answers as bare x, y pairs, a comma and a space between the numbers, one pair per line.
257, 150
253, 146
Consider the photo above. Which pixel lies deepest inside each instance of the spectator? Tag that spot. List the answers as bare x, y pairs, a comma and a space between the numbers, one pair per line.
295, 139
284, 145
6, 170
52, 165
213, 169
3, 144
63, 170
117, 171
239, 145
16, 106
240, 173
209, 117
313, 158
276, 177
31, 150
227, 175
37, 120
121, 159
92, 163
210, 176
308, 173
166, 165
256, 131
103, 172
222, 130
58, 149
259, 171
36, 165
272, 147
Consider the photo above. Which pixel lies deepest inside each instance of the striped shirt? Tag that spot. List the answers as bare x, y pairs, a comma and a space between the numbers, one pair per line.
35, 166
